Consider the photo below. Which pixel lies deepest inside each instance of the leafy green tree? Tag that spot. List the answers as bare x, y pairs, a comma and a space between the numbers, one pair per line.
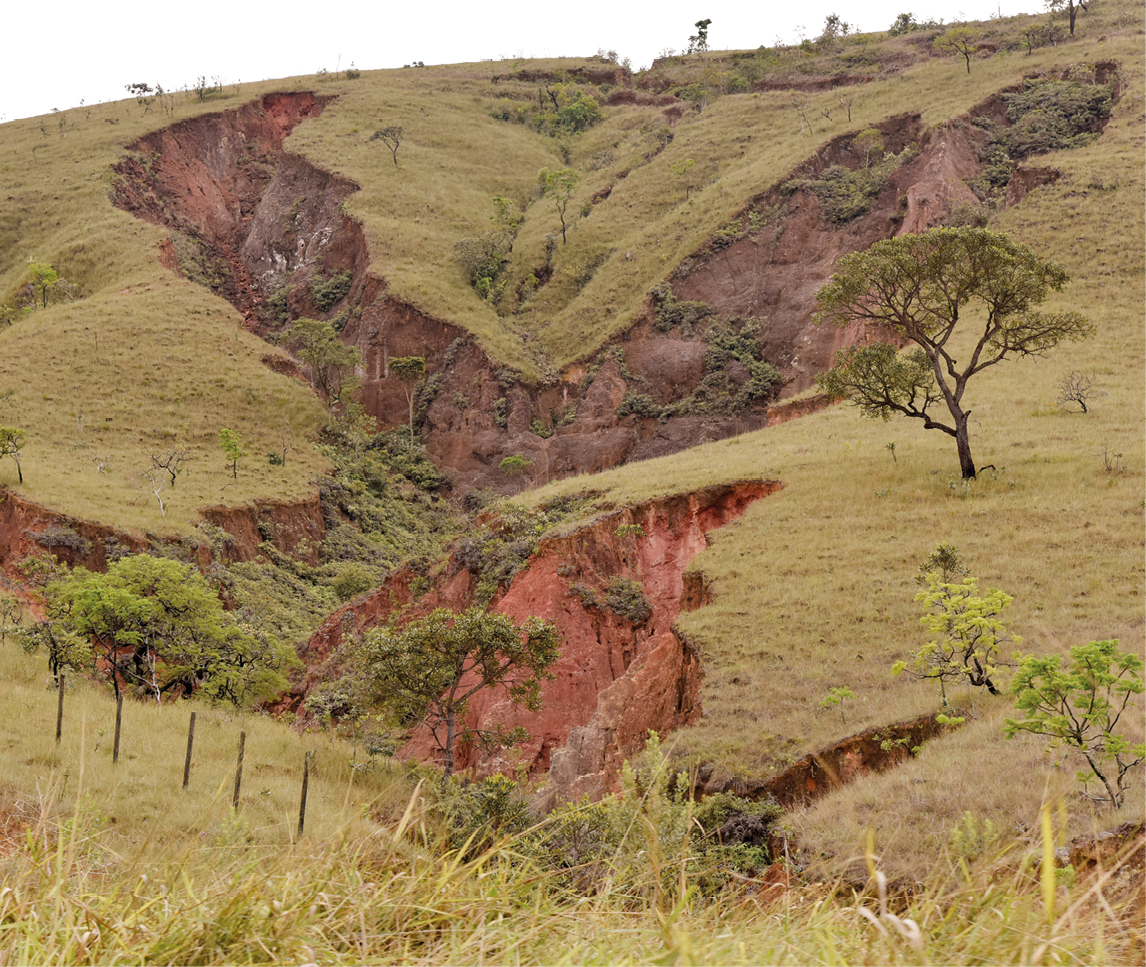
428, 671
232, 446
391, 137
869, 143
958, 40
681, 168
836, 698
699, 41
332, 361
1079, 707
156, 625
560, 186
12, 441
411, 370
966, 635
924, 287
44, 277
905, 23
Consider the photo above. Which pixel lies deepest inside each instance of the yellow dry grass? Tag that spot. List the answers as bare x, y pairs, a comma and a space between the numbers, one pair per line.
814, 585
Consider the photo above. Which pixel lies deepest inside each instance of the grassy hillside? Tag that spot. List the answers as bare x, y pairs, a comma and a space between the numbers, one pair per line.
814, 586
140, 360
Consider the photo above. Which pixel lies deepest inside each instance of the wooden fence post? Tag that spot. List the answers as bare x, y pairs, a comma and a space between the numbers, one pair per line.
239, 769
190, 744
60, 711
305, 783
118, 723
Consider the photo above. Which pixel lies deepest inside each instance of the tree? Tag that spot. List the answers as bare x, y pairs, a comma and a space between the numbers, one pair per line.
43, 278
1072, 7
170, 461
561, 186
967, 633
681, 168
411, 370
11, 616
232, 446
923, 287
699, 41
426, 672
331, 360
12, 441
958, 40
1079, 707
155, 625
836, 698
391, 137
905, 23
869, 143
1076, 387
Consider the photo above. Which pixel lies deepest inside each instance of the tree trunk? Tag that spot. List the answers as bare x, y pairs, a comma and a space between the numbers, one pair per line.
1073, 15
966, 464
450, 729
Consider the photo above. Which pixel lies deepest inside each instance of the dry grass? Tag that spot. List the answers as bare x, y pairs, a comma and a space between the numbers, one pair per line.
814, 585
138, 807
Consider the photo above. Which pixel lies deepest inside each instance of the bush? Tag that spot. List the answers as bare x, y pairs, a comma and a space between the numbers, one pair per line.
1051, 115
328, 292
627, 598
671, 312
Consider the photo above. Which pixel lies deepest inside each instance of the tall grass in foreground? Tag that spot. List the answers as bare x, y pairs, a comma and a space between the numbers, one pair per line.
398, 896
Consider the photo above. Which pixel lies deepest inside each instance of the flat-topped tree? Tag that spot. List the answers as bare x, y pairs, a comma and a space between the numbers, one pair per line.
931, 288
411, 370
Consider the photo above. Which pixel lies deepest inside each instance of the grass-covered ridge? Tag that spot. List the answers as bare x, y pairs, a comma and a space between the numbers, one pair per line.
814, 587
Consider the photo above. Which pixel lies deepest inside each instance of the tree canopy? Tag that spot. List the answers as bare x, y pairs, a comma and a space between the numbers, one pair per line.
971, 283
156, 626
428, 671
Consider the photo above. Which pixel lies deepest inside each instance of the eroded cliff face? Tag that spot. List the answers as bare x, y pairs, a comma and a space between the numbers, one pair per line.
27, 529
617, 676
265, 229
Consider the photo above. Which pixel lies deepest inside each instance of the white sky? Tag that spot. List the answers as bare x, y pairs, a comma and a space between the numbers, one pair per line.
78, 49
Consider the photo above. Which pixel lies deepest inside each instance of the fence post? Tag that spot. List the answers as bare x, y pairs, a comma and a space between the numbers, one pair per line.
190, 744
60, 710
118, 723
305, 783
239, 769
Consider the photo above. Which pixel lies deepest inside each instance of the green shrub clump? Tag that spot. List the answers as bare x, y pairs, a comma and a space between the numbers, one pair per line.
328, 292
1053, 115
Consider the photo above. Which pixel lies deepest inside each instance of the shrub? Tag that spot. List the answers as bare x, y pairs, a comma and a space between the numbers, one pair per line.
627, 598
328, 292
1051, 115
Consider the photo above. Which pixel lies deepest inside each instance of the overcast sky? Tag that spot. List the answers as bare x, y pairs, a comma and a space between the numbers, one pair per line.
55, 56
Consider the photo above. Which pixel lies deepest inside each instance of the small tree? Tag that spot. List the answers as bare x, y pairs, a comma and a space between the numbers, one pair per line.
836, 698
560, 186
411, 370
681, 169
232, 446
868, 143
44, 277
698, 42
1075, 388
11, 616
958, 40
12, 441
170, 461
923, 287
428, 671
967, 632
391, 137
331, 360
1079, 707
